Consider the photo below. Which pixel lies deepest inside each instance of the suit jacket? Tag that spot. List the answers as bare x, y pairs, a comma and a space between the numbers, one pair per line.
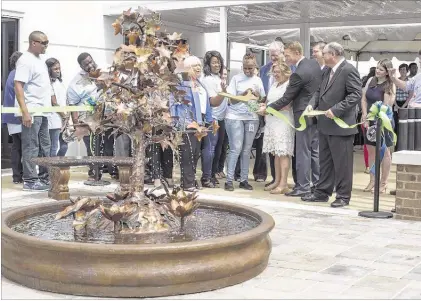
303, 83
264, 76
341, 95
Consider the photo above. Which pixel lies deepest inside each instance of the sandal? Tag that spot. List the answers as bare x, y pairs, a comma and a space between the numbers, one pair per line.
369, 187
279, 190
270, 187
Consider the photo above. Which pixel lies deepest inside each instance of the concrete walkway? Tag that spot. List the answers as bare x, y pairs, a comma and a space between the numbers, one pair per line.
318, 252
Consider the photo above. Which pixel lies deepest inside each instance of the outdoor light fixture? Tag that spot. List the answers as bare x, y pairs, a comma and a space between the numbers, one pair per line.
382, 37
345, 39
279, 39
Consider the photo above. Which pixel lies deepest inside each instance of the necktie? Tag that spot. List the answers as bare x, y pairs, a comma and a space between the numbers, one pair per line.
331, 76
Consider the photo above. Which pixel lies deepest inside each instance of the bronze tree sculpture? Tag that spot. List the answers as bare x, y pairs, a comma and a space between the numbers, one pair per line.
135, 101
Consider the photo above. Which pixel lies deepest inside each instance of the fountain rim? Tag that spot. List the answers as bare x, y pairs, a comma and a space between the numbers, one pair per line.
265, 226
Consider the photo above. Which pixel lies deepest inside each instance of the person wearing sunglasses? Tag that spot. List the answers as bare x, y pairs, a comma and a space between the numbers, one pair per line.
33, 90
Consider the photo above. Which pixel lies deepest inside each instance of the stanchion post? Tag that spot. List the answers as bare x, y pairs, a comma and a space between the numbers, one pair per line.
97, 153
377, 165
376, 213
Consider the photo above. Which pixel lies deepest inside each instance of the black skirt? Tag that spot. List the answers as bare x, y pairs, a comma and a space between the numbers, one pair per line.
387, 136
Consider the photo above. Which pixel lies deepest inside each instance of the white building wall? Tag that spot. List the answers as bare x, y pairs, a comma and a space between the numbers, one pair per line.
72, 28
195, 39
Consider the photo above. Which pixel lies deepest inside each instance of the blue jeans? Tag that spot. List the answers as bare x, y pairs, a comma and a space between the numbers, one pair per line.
54, 138
241, 134
35, 142
63, 146
208, 152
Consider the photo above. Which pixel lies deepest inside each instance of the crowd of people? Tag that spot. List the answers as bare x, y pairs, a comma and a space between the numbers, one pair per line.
320, 156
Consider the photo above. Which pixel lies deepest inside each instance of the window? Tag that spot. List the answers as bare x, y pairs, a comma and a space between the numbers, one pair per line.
9, 44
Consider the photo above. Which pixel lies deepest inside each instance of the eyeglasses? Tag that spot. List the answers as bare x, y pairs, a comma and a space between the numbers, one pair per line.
45, 43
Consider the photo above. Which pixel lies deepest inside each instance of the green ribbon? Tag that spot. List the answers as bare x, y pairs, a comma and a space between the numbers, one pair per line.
57, 109
374, 112
380, 111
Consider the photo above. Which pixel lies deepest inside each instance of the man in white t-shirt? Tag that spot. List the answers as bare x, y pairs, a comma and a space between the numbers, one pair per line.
33, 90
84, 91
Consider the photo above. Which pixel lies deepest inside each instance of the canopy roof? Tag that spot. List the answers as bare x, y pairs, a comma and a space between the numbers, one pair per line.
402, 41
282, 14
260, 22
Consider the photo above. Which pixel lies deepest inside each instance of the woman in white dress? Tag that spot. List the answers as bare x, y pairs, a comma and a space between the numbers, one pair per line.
279, 136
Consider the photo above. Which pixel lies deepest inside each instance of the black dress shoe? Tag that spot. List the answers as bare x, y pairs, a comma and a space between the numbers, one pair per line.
270, 183
245, 185
314, 198
229, 186
297, 193
339, 203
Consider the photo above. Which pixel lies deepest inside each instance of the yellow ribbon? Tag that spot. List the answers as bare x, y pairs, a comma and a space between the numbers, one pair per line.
373, 113
243, 98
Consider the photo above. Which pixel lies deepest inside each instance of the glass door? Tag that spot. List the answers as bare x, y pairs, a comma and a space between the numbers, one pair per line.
9, 44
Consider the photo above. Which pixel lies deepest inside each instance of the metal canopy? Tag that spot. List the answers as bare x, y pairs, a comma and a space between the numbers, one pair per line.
288, 14
362, 21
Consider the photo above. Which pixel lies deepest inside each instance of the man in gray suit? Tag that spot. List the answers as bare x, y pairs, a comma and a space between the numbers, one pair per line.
338, 95
303, 83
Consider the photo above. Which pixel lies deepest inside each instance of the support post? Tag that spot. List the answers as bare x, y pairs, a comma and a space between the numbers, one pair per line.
305, 28
223, 32
305, 39
376, 213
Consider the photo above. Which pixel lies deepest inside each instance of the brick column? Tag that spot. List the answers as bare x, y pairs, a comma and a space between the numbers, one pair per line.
408, 185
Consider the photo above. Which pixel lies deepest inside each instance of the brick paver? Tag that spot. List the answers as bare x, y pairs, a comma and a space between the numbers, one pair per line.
318, 252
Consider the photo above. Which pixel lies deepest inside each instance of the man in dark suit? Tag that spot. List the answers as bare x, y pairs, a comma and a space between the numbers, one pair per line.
303, 83
338, 95
317, 54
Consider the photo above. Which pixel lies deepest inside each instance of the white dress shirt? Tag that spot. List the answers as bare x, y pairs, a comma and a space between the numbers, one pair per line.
337, 65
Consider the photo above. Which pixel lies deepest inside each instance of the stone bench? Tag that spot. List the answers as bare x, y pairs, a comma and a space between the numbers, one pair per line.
408, 184
59, 170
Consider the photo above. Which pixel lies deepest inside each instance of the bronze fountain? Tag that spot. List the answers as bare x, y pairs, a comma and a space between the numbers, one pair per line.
135, 101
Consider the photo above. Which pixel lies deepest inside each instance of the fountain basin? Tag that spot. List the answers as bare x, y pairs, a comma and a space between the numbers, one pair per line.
133, 270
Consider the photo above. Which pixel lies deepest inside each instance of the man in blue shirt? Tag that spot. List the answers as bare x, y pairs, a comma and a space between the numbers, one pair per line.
14, 124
